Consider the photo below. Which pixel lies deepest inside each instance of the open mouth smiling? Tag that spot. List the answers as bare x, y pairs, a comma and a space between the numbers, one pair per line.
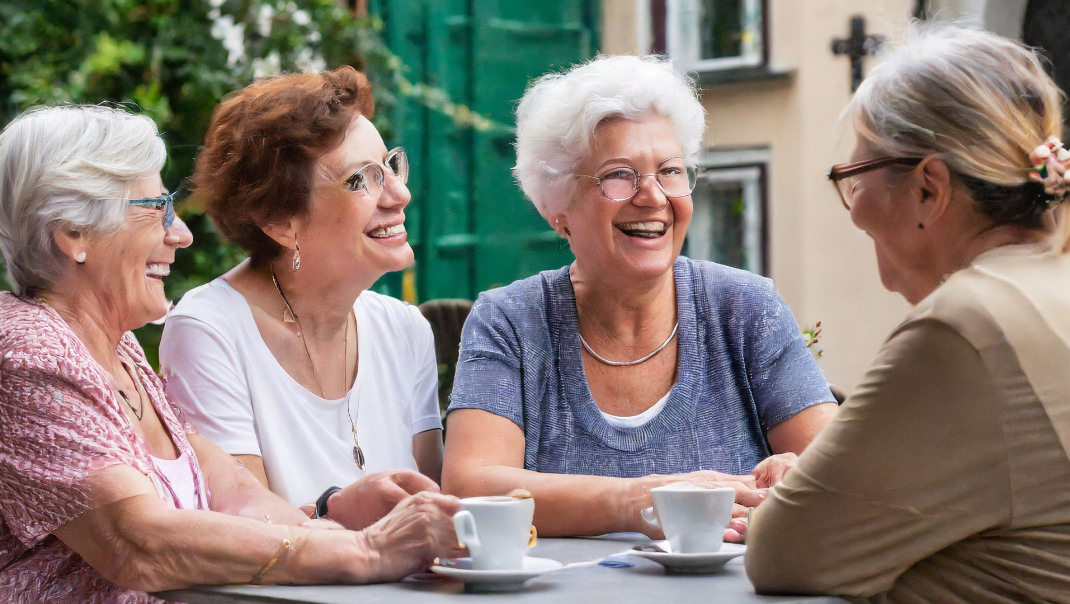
384, 232
157, 270
650, 229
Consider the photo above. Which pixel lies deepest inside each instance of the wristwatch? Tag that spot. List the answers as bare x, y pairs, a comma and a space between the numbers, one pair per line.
321, 503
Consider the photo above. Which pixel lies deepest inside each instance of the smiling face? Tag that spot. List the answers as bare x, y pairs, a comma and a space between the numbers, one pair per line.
347, 225
128, 267
639, 238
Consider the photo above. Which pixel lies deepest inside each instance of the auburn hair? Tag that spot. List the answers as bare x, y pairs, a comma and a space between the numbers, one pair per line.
257, 165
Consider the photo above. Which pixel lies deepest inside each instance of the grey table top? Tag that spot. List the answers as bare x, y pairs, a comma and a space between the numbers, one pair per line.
644, 583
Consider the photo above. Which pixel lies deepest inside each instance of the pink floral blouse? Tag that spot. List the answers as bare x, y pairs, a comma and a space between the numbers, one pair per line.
61, 422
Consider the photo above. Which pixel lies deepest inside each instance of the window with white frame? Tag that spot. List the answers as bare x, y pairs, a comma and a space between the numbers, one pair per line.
710, 35
727, 225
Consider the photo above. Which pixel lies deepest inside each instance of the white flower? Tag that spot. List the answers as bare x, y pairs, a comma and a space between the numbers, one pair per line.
232, 35
301, 17
263, 19
309, 62
268, 66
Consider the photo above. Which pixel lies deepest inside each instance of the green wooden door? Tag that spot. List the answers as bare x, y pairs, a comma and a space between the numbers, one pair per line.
469, 224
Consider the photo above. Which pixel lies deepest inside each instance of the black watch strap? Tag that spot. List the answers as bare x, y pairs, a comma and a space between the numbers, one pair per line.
321, 503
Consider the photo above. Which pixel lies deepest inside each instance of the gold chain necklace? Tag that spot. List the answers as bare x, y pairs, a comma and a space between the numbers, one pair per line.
291, 317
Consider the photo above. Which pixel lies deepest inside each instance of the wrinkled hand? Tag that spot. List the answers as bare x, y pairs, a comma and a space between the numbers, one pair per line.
771, 470
747, 495
417, 531
737, 529
364, 502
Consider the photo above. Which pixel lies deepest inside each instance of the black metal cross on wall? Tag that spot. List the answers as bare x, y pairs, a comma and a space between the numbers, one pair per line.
857, 47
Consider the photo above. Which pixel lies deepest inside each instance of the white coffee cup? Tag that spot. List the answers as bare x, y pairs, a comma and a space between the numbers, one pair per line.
496, 530
693, 518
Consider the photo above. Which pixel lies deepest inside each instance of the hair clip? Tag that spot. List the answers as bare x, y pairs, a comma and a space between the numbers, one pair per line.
1049, 168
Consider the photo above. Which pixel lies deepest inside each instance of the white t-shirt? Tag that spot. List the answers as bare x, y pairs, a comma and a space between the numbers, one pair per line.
220, 371
634, 421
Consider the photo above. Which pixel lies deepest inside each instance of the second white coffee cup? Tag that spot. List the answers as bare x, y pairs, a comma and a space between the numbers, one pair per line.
496, 530
693, 518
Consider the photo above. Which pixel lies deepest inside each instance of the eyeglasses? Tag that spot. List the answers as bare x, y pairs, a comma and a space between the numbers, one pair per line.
839, 173
371, 178
163, 202
622, 184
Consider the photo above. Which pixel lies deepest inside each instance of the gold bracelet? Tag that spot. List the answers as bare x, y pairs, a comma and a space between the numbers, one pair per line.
283, 548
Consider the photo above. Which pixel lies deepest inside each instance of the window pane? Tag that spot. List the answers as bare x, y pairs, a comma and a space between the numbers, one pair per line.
726, 224
714, 34
722, 27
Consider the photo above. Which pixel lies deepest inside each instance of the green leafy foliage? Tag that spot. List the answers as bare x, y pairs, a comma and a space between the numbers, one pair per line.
174, 60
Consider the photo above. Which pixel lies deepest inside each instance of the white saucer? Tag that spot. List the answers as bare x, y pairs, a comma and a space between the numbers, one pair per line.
495, 580
692, 564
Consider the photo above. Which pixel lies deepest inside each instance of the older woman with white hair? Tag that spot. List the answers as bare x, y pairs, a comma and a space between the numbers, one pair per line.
945, 477
633, 367
108, 492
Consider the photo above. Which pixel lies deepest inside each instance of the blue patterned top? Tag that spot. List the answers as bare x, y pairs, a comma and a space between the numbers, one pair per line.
743, 368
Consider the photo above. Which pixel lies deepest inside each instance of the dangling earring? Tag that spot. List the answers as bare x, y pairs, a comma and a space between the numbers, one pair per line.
297, 254
80, 258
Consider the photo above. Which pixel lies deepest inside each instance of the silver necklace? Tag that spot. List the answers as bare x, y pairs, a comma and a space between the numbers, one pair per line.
606, 361
291, 317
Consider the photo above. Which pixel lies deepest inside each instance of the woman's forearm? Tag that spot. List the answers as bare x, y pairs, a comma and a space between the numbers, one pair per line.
565, 504
144, 553
237, 491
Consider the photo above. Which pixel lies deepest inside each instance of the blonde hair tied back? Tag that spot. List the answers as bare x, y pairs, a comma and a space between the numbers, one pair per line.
977, 101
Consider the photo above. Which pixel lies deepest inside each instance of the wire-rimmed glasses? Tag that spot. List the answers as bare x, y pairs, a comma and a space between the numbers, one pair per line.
621, 184
840, 173
371, 179
165, 202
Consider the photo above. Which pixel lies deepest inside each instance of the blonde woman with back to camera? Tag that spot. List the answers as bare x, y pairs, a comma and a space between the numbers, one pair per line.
945, 477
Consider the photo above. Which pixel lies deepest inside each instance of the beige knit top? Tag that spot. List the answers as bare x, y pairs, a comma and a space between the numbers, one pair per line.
944, 476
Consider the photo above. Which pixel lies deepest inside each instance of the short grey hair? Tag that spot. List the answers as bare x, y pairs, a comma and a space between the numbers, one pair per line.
558, 115
67, 167
977, 101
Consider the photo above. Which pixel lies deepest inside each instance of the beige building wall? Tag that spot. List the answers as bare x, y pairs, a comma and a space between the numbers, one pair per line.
822, 265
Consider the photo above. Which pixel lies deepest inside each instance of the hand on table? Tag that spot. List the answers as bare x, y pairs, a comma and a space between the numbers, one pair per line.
771, 470
418, 530
372, 497
747, 495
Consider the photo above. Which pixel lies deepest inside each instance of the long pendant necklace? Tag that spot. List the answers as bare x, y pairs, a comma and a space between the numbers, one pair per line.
291, 317
605, 361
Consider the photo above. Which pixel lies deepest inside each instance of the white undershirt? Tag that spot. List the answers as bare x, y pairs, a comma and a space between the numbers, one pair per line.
220, 371
179, 477
634, 421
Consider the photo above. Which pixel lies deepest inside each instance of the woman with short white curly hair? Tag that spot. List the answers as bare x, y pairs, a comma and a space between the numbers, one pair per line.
633, 367
108, 491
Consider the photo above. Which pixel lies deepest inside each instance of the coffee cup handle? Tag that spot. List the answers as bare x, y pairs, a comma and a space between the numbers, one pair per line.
649, 517
465, 525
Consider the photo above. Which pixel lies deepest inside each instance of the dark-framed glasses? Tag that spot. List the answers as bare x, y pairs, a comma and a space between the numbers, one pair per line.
840, 174
164, 202
372, 179
674, 179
